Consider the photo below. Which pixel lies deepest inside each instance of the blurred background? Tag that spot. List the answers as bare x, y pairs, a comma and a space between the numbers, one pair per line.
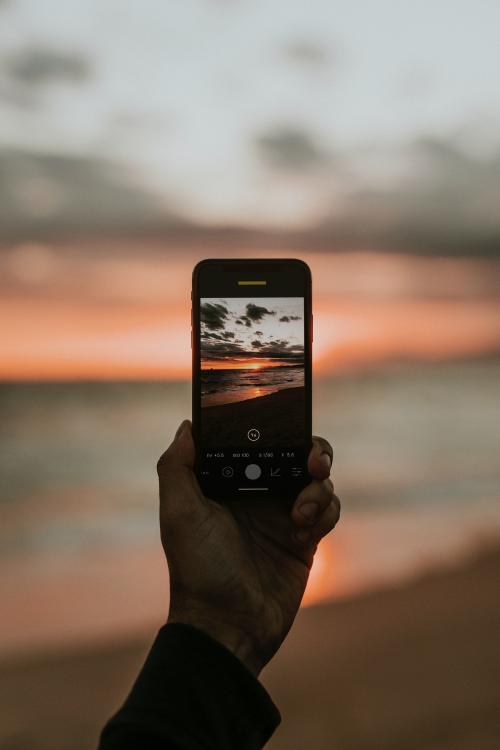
136, 139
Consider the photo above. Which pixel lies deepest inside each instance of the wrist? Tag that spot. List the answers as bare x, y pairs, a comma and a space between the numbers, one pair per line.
235, 639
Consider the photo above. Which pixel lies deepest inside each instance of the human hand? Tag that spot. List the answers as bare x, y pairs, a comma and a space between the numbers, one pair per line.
238, 571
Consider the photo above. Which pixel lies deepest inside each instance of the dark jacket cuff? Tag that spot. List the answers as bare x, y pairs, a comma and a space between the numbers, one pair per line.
192, 692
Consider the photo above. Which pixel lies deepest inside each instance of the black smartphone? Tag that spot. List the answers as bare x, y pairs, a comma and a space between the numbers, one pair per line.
252, 361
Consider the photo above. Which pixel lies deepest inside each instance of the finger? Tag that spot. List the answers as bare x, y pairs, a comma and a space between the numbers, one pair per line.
312, 501
312, 535
320, 458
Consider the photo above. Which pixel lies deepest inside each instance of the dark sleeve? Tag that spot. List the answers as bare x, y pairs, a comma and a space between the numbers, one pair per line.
192, 694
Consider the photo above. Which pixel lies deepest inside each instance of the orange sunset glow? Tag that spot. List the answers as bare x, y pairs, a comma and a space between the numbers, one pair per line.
239, 364
70, 325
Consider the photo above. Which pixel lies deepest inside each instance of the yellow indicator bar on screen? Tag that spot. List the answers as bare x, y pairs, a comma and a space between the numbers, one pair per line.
252, 283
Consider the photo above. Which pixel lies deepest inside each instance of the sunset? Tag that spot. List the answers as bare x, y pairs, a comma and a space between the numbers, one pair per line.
94, 318
239, 364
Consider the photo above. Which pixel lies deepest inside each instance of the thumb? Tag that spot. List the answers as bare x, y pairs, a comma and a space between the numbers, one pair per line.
180, 452
180, 494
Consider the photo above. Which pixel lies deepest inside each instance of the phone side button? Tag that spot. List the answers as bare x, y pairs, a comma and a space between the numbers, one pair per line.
191, 338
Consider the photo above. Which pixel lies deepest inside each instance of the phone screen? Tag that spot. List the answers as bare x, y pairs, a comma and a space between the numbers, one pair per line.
253, 397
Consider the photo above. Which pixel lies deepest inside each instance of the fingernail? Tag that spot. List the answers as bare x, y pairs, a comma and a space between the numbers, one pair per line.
325, 459
309, 510
180, 429
302, 536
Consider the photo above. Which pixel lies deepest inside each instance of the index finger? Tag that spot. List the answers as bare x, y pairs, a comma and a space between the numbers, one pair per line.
320, 458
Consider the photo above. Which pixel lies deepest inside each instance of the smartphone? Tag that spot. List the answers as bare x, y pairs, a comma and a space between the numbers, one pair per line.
252, 370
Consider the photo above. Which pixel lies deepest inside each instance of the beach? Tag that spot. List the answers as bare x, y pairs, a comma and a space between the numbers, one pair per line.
414, 666
274, 415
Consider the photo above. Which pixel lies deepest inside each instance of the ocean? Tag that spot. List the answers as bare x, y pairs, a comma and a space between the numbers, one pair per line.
415, 464
226, 386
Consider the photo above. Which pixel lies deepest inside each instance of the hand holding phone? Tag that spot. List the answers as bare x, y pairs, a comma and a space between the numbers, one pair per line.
238, 569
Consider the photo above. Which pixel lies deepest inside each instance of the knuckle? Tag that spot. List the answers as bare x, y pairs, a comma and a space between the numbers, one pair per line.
318, 494
325, 493
328, 520
330, 489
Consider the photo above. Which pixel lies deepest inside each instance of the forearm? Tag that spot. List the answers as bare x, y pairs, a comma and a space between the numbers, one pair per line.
192, 692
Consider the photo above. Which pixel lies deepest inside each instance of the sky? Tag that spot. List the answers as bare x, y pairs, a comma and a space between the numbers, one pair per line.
371, 128
250, 112
248, 333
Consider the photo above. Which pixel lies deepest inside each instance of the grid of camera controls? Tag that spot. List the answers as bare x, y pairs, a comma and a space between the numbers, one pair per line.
253, 464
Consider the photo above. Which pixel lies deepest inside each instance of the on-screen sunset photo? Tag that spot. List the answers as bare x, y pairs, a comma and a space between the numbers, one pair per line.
252, 369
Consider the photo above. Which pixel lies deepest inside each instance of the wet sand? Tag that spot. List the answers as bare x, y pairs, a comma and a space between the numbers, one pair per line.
274, 415
414, 667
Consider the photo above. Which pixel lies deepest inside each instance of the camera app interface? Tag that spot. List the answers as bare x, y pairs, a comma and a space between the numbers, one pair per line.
252, 389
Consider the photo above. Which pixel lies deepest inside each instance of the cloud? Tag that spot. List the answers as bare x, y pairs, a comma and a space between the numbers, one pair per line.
445, 201
221, 349
289, 149
259, 333
430, 195
226, 336
45, 193
213, 315
38, 66
255, 313
307, 52
217, 347
280, 349
278, 342
126, 122
293, 356
288, 318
